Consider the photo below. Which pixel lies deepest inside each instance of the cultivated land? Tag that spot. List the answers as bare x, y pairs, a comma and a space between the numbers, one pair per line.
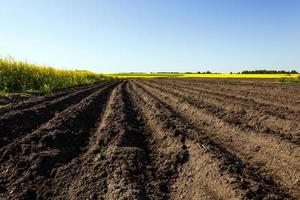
154, 139
194, 75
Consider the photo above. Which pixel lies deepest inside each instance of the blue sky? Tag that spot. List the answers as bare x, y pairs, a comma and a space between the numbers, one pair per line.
153, 35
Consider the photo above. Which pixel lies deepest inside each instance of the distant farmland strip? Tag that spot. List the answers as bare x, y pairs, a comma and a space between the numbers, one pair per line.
193, 75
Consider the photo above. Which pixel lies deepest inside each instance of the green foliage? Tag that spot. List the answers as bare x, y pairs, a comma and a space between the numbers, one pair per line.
16, 76
207, 72
291, 80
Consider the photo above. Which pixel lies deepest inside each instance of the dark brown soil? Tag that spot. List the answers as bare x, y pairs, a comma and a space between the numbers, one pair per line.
154, 139
4, 100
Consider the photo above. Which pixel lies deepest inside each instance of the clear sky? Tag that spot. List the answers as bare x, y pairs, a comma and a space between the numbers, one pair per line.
153, 35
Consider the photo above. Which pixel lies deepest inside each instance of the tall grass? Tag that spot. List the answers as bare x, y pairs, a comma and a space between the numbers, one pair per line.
18, 76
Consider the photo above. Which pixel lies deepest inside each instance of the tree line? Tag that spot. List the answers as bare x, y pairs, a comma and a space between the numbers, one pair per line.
262, 71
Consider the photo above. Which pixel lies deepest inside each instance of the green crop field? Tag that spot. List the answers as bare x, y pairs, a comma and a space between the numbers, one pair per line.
17, 76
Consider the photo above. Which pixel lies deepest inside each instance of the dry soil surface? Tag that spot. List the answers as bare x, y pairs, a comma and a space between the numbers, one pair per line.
154, 139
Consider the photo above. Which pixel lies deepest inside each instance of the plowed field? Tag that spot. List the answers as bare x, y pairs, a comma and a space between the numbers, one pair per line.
154, 139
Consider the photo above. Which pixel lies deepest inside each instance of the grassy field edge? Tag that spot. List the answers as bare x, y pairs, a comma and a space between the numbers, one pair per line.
20, 76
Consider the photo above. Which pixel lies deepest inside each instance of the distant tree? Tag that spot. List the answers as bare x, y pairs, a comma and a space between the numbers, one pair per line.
294, 72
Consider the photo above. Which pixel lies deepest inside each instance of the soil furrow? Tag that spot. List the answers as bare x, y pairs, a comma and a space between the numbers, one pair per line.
169, 153
17, 123
267, 107
128, 156
85, 176
246, 177
246, 84
116, 160
282, 111
51, 146
275, 96
281, 160
34, 101
173, 128
154, 139
247, 117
